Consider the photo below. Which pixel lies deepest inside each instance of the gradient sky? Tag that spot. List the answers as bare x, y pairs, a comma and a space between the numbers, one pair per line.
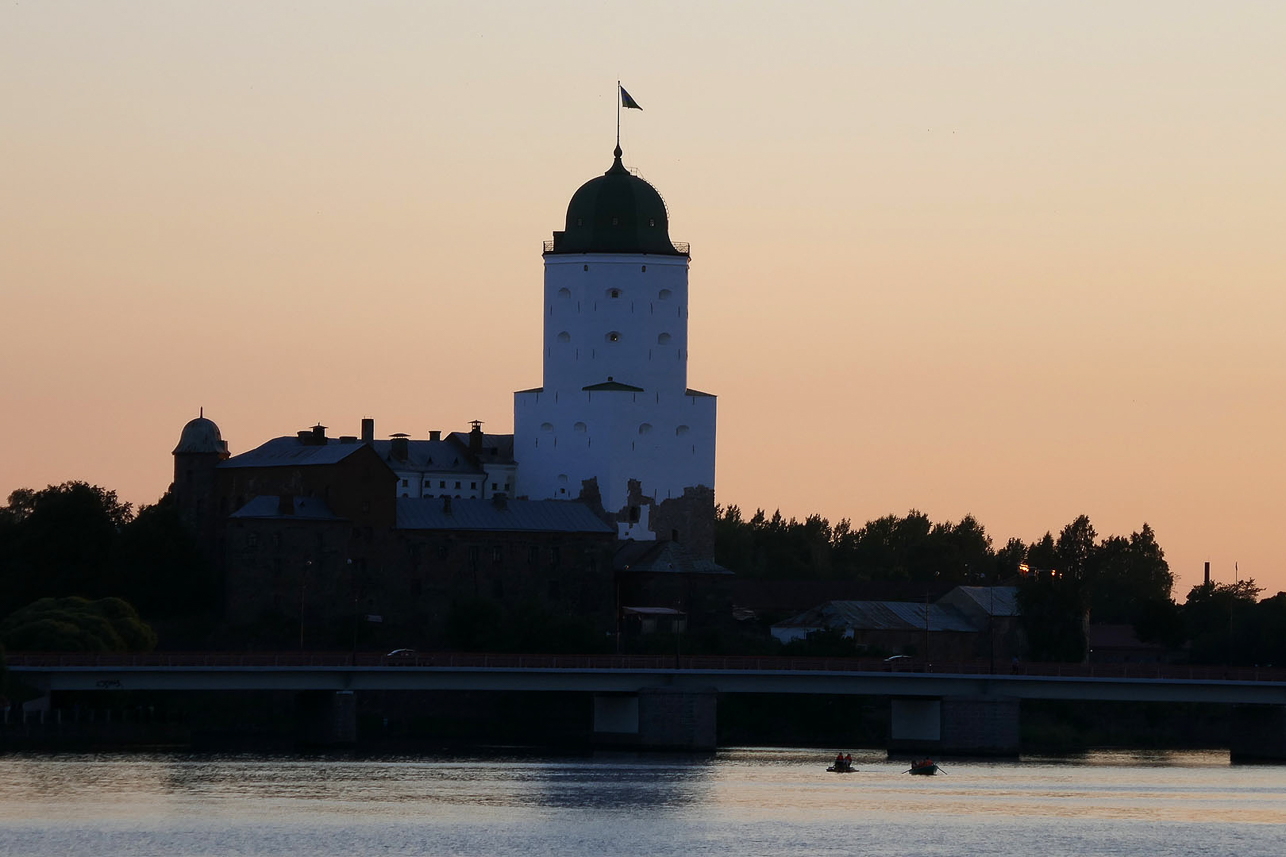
1017, 260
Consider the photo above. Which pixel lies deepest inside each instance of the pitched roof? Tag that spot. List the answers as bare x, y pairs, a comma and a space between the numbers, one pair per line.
270, 506
290, 452
993, 600
881, 616
496, 448
437, 456
551, 516
664, 557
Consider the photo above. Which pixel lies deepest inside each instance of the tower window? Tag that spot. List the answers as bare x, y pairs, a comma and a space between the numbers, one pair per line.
644, 269
580, 221
580, 427
613, 293
663, 295
564, 337
565, 294
587, 267
616, 221
663, 339
543, 427
681, 430
651, 221
645, 428
614, 336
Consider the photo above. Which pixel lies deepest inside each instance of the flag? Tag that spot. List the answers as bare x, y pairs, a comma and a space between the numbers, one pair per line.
626, 101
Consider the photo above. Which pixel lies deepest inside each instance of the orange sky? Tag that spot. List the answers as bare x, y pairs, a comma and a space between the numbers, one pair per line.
1018, 260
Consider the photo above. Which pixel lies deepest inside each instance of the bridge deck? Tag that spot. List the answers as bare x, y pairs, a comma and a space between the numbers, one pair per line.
611, 674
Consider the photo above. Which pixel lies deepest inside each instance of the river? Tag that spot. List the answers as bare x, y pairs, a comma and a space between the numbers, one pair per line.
738, 801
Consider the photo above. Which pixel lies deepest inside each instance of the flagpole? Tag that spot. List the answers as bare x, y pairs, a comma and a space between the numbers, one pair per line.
618, 114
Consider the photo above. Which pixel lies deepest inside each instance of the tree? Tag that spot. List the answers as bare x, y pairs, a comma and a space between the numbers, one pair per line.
1053, 616
1075, 549
76, 625
158, 566
1008, 558
1218, 619
57, 542
1131, 578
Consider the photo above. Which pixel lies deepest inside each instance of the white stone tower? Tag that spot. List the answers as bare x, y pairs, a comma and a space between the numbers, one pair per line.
615, 417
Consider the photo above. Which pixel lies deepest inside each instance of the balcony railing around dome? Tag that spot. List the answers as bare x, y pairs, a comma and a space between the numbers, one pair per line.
683, 248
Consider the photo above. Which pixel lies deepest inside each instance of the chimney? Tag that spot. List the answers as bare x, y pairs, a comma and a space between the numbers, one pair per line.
368, 430
1207, 574
435, 435
319, 434
500, 501
286, 504
475, 437
446, 504
401, 447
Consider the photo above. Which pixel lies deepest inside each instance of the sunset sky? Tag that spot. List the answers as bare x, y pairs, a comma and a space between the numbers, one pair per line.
1017, 260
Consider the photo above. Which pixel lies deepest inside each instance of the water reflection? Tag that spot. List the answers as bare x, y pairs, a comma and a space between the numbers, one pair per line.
749, 800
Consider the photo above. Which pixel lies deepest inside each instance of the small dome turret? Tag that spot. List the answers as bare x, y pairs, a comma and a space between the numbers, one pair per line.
201, 435
616, 213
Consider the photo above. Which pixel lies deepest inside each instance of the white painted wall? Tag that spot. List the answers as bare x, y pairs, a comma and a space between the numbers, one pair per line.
623, 317
639, 335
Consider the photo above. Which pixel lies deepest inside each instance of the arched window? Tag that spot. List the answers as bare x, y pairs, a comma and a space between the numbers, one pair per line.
664, 295
546, 427
645, 428
581, 427
663, 339
564, 337
565, 294
681, 430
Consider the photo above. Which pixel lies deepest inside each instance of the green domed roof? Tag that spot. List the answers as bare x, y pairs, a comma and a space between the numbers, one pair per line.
201, 436
616, 213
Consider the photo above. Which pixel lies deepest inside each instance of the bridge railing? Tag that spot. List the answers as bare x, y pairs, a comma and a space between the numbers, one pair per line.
480, 660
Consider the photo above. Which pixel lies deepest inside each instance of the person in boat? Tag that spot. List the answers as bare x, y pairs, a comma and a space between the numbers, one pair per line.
848, 761
839, 761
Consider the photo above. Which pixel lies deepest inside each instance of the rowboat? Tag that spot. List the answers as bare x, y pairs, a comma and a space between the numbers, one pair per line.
927, 768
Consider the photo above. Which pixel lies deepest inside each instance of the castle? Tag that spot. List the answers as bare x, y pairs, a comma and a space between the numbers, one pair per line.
601, 503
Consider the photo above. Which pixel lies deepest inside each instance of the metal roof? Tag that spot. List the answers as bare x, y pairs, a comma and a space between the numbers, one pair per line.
424, 456
497, 448
995, 600
290, 452
881, 616
269, 506
550, 516
666, 556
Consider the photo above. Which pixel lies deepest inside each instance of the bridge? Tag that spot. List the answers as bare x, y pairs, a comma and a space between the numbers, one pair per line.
669, 701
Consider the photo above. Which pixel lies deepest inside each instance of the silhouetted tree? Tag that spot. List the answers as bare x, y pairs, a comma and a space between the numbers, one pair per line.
76, 625
158, 566
57, 542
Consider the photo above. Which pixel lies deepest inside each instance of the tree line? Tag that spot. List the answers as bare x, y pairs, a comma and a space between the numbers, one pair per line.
78, 566
1064, 580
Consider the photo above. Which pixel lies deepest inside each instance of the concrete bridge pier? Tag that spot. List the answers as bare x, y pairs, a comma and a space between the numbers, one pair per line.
1257, 733
657, 718
960, 725
326, 718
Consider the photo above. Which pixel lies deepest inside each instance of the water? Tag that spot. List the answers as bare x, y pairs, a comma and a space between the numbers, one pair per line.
746, 802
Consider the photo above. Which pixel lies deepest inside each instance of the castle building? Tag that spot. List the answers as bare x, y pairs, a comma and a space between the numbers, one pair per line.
602, 498
614, 421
